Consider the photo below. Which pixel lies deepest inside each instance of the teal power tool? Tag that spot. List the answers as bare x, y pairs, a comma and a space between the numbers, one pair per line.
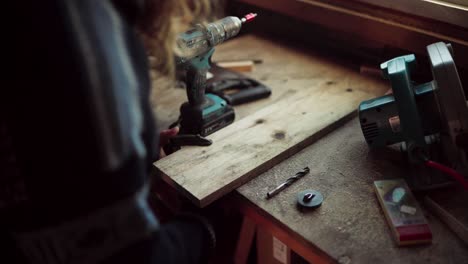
204, 114
430, 120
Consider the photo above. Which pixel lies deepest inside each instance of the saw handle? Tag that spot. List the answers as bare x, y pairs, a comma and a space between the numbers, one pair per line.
398, 70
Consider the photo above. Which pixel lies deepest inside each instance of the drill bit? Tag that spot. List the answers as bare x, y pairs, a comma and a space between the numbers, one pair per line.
288, 182
249, 17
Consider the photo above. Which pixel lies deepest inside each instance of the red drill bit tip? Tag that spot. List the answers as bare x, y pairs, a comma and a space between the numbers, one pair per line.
249, 17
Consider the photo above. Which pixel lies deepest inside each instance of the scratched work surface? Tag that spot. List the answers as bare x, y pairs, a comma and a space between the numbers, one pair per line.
350, 225
311, 96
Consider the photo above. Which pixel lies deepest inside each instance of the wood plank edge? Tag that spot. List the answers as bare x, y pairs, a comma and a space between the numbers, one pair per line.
177, 186
276, 160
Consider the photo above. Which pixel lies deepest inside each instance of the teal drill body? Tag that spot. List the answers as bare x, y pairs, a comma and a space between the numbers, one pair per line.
203, 113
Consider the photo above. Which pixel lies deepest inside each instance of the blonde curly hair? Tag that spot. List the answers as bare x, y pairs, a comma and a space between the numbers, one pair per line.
162, 21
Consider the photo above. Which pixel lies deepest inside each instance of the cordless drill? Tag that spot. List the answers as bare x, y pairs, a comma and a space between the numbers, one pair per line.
204, 114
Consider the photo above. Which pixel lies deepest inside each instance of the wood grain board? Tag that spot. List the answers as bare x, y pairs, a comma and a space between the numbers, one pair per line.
313, 96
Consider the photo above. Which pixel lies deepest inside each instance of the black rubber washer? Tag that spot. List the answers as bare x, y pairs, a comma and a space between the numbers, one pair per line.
310, 199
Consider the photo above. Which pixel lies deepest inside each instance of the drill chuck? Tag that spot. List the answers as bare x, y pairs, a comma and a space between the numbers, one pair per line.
202, 38
223, 29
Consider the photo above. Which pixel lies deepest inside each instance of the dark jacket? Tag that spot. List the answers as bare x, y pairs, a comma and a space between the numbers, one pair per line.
77, 140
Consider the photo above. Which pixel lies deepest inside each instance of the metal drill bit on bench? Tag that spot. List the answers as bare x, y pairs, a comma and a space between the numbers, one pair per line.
288, 182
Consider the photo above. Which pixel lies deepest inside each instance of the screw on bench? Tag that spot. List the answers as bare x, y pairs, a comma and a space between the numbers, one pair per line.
308, 197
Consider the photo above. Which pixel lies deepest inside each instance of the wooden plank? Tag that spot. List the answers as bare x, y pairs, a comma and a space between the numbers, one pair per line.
256, 143
238, 66
324, 95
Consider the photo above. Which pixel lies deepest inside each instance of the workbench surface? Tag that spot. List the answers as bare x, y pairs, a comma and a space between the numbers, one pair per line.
350, 225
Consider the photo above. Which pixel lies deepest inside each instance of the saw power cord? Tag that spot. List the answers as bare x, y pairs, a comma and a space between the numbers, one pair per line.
449, 171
